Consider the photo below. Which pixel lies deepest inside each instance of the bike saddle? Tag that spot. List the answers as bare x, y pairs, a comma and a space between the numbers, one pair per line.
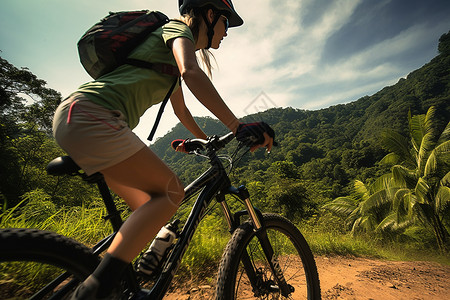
63, 165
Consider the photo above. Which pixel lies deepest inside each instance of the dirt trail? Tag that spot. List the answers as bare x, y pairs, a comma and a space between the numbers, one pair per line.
361, 278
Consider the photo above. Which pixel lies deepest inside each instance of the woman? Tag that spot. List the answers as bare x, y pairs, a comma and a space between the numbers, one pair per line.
94, 127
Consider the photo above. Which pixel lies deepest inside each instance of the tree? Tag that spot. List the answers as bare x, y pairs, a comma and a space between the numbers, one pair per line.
416, 190
366, 208
26, 113
420, 176
444, 43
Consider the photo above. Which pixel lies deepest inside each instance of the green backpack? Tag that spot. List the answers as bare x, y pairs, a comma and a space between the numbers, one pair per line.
107, 44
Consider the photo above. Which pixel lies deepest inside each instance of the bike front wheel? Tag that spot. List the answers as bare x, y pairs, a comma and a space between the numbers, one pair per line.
291, 252
36, 264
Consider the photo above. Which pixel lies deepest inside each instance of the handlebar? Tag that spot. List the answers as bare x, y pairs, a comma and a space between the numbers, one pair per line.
214, 143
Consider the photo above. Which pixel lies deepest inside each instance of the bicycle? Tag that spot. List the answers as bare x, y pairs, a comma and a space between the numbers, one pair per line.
266, 258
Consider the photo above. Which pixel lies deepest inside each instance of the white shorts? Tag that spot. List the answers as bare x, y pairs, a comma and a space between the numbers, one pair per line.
95, 137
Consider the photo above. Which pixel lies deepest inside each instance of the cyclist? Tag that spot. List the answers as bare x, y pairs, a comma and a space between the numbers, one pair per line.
94, 126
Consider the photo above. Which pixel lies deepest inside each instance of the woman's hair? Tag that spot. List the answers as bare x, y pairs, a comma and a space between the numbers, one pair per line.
194, 20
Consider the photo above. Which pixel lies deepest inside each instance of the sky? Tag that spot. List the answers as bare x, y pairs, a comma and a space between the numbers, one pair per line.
305, 54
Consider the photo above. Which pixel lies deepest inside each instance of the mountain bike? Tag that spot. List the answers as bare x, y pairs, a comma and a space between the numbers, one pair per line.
266, 257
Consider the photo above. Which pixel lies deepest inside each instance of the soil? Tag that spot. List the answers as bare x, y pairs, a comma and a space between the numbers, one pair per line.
362, 278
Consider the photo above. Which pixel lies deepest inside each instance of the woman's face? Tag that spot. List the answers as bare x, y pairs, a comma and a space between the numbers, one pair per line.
220, 31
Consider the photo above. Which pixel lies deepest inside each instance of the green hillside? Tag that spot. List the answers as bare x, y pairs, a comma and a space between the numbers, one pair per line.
338, 144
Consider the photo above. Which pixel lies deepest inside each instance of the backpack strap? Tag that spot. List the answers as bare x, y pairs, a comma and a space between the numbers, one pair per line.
162, 68
161, 109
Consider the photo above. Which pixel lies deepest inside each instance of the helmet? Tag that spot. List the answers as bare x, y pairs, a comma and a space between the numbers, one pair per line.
221, 5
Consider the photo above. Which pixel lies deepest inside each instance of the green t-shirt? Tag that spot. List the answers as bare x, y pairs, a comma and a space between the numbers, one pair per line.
132, 90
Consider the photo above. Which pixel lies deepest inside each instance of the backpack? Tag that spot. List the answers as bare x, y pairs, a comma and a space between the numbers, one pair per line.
106, 45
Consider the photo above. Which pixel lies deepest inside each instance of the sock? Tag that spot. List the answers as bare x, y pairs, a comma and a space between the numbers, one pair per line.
108, 273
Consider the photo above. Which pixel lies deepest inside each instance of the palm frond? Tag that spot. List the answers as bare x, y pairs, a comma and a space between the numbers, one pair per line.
431, 165
342, 206
445, 181
416, 129
354, 214
369, 223
389, 222
360, 189
445, 135
430, 119
375, 202
412, 205
401, 201
398, 144
363, 223
403, 177
381, 183
427, 145
442, 199
421, 191
390, 159
394, 222
443, 151
356, 225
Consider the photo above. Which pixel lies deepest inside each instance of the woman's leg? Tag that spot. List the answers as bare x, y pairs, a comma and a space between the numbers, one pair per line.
152, 191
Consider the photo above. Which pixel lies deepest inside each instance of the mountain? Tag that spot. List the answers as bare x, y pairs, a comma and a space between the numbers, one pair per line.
338, 144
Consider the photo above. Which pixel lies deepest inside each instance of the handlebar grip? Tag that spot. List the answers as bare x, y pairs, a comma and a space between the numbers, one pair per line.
176, 143
191, 145
188, 145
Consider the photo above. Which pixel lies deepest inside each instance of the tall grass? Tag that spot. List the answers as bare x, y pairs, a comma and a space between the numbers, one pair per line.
86, 225
203, 255
327, 236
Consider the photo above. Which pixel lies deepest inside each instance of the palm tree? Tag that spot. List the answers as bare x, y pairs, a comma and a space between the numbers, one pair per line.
420, 176
416, 190
369, 208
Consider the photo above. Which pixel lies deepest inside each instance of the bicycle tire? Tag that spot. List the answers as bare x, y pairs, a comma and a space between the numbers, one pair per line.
42, 256
232, 282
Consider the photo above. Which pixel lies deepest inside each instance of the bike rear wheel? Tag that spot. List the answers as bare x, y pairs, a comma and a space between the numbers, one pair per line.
32, 259
291, 251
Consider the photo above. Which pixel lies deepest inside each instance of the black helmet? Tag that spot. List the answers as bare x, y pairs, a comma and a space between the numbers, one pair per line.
221, 5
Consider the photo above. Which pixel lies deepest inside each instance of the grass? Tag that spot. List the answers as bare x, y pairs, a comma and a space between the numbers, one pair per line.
324, 241
85, 224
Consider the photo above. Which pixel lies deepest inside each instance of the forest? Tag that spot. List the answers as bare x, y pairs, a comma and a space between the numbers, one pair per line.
353, 177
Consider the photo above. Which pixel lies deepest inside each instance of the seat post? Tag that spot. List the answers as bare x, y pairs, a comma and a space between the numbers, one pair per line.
113, 213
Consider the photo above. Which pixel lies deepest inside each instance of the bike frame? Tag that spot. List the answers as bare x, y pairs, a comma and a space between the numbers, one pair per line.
213, 183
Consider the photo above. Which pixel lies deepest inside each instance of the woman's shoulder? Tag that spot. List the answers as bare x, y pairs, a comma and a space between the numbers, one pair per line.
176, 24
176, 28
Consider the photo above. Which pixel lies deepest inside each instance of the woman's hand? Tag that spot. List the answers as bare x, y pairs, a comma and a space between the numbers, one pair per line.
256, 135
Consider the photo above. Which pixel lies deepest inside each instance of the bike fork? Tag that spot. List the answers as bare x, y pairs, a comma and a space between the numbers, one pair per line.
261, 234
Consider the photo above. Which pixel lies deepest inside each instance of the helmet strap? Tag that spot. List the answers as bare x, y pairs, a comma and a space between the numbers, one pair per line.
210, 26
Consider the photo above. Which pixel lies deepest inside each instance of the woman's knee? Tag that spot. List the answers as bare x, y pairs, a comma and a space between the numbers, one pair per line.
175, 190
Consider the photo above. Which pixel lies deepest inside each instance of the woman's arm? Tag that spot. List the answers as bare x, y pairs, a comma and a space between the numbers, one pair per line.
199, 83
184, 115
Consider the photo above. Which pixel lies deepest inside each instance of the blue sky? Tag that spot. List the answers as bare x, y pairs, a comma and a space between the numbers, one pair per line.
306, 54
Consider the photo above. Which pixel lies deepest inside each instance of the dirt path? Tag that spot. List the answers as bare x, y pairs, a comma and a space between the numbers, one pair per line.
361, 278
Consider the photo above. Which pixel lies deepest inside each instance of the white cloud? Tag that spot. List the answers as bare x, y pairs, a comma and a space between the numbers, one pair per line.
276, 51
273, 53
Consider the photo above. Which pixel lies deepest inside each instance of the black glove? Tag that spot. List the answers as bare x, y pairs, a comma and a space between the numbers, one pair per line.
252, 134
